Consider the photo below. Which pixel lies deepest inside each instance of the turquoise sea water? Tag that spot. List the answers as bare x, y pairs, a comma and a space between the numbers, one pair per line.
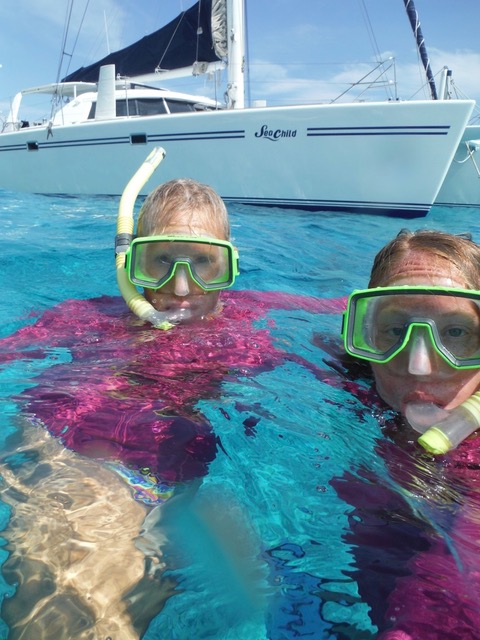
284, 434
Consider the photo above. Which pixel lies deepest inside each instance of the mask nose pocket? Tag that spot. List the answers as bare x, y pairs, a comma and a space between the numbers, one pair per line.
181, 280
420, 353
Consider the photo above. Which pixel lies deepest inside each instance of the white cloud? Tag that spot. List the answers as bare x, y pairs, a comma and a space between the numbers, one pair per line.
294, 84
279, 84
465, 66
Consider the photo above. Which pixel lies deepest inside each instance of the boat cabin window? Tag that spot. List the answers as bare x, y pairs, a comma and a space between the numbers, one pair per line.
150, 107
135, 107
179, 106
141, 107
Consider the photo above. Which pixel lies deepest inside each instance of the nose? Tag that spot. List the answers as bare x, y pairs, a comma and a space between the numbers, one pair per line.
182, 281
420, 355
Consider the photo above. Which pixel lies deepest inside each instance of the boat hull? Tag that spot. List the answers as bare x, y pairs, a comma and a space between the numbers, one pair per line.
388, 158
461, 187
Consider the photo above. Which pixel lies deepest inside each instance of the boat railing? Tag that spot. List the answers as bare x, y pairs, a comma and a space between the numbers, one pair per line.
367, 82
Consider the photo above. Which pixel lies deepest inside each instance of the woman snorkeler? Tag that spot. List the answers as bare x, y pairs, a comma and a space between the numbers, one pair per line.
415, 532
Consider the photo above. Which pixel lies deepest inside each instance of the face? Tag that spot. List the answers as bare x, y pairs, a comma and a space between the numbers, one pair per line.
181, 292
418, 373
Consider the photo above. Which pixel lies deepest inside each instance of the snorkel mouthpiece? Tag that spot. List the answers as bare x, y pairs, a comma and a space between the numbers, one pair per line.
422, 415
125, 226
447, 428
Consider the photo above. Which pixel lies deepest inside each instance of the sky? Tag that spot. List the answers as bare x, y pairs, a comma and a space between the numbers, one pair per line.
299, 51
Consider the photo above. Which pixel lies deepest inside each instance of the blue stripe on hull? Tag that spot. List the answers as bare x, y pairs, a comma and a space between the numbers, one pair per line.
397, 210
436, 130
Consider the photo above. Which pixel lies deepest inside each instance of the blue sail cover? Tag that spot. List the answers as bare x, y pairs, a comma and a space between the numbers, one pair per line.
415, 24
180, 43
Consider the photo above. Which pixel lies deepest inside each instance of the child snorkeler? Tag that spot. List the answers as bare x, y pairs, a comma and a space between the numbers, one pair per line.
416, 533
124, 409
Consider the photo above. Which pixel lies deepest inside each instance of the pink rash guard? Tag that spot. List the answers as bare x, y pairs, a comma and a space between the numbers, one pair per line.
128, 395
421, 582
439, 598
419, 571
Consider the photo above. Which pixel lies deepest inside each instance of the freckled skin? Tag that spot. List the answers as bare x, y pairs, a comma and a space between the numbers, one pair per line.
398, 383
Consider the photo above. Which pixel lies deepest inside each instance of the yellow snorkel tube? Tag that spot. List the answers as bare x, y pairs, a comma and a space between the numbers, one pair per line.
444, 430
125, 228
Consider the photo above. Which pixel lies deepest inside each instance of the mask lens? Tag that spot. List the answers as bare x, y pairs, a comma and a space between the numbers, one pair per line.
380, 324
378, 328
153, 262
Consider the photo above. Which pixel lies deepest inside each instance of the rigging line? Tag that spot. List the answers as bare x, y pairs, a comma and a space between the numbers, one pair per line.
68, 17
247, 55
76, 39
181, 17
106, 30
373, 40
57, 95
353, 84
375, 82
370, 31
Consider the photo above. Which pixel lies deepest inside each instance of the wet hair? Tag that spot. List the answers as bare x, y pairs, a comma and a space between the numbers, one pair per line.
458, 250
183, 202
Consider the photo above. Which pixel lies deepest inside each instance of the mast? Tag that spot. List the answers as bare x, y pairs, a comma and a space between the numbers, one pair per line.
236, 54
415, 24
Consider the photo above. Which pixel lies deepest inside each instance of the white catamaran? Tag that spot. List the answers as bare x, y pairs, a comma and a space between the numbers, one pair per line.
386, 157
461, 186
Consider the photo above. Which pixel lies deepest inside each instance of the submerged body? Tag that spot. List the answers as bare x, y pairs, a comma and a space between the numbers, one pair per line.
414, 533
155, 385
70, 516
129, 395
123, 404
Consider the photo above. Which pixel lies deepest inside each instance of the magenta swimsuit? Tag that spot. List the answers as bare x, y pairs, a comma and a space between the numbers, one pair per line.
128, 395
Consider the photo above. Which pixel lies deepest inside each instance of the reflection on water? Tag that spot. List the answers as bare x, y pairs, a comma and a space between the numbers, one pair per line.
314, 503
69, 515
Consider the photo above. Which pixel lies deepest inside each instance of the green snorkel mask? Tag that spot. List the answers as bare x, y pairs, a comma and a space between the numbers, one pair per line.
153, 261
379, 323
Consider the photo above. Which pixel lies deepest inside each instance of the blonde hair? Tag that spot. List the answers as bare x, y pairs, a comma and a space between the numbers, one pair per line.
458, 250
183, 202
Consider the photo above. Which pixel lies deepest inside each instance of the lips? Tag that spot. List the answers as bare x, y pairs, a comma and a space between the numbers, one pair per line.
421, 396
177, 305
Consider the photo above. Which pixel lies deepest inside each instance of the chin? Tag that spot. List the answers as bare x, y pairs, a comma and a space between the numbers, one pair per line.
394, 404
392, 400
